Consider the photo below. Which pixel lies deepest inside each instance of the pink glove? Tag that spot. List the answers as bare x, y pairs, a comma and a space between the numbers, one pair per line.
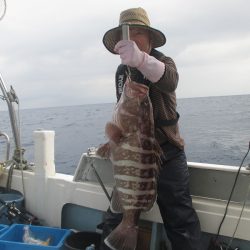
132, 56
152, 68
129, 53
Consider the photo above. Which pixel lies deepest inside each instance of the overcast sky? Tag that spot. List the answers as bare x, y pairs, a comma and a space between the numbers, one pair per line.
51, 51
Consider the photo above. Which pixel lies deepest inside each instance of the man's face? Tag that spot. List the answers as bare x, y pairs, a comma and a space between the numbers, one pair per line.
141, 37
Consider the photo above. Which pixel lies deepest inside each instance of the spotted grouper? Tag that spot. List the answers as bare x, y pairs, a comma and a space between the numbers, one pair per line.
134, 153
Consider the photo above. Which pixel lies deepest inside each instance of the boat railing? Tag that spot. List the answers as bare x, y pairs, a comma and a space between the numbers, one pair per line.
217, 167
206, 180
7, 154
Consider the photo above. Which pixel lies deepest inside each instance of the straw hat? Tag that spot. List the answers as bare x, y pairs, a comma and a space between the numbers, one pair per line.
135, 17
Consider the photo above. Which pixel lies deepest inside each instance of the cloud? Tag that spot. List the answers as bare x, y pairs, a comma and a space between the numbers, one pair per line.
215, 51
52, 51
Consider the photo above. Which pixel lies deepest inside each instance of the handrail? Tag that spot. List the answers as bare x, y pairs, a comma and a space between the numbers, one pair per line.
224, 168
7, 145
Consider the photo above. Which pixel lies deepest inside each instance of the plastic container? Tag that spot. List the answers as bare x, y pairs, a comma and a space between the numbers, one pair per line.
9, 197
3, 228
12, 238
81, 240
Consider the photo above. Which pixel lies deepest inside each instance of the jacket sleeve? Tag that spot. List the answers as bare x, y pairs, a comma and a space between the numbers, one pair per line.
169, 80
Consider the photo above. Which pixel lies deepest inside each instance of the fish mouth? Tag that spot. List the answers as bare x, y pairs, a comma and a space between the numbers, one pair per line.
136, 90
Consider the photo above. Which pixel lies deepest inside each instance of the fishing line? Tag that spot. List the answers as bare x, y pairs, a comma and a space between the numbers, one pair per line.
230, 196
4, 10
238, 222
20, 150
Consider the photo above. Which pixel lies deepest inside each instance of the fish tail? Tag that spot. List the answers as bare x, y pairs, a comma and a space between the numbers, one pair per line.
122, 238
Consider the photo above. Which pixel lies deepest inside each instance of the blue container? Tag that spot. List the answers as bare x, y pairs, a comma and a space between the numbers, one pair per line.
3, 228
12, 239
9, 197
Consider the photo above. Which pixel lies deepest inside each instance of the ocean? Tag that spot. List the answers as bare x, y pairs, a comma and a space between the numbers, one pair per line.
215, 130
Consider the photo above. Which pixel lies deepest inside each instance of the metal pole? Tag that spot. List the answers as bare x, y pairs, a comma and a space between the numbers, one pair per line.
10, 97
13, 121
125, 32
126, 36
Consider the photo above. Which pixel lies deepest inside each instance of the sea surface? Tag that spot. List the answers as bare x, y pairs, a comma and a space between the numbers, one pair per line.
215, 129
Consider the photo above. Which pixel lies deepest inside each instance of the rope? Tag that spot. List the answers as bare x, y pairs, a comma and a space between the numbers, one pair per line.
230, 196
238, 222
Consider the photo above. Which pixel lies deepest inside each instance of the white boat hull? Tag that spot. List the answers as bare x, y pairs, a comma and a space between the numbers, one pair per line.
46, 192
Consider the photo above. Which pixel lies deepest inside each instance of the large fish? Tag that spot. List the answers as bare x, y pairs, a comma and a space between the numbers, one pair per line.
135, 155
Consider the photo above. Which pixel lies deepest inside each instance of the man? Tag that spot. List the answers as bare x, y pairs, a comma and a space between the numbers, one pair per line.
145, 65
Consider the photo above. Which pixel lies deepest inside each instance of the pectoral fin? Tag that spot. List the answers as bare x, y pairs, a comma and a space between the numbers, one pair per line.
104, 150
113, 132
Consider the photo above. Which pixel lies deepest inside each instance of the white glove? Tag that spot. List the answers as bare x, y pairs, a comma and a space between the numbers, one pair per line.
129, 53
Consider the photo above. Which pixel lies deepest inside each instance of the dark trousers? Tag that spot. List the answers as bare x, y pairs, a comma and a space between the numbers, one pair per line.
180, 219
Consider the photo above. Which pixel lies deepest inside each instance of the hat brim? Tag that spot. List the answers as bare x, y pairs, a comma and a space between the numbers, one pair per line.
113, 36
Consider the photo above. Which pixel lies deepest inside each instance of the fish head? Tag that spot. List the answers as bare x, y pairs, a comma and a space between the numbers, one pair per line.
133, 95
134, 90
134, 108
